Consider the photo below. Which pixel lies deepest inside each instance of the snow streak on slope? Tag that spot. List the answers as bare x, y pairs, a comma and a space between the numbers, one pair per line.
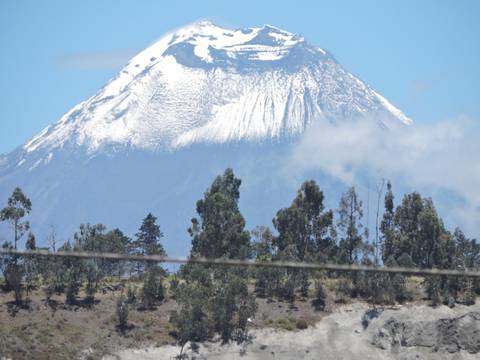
207, 84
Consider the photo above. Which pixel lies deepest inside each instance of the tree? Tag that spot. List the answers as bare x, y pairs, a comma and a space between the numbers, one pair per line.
233, 306
266, 279
387, 225
73, 286
148, 240
117, 242
350, 213
152, 290
220, 230
421, 233
223, 301
122, 314
92, 279
378, 242
464, 255
397, 282
18, 206
5, 260
432, 237
192, 322
72, 271
306, 225
406, 221
305, 233
148, 237
30, 263
15, 274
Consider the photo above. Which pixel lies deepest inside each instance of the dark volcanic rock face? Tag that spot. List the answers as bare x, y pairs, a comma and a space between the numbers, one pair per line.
445, 335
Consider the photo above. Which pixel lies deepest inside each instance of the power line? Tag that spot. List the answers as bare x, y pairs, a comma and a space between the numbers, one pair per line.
241, 262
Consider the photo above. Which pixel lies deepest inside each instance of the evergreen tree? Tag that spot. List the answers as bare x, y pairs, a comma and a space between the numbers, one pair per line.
306, 225
18, 206
421, 234
148, 237
72, 271
148, 241
30, 263
92, 280
266, 279
15, 272
192, 322
387, 226
219, 232
73, 286
117, 242
406, 221
432, 238
305, 233
350, 213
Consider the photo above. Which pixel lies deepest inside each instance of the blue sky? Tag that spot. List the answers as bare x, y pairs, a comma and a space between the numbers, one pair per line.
424, 56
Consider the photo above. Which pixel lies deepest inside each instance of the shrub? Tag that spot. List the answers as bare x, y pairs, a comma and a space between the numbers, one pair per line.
433, 287
152, 290
131, 295
14, 274
91, 287
301, 324
173, 285
369, 315
319, 301
122, 313
343, 291
469, 295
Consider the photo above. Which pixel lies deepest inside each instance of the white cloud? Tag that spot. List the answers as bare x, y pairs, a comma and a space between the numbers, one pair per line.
439, 157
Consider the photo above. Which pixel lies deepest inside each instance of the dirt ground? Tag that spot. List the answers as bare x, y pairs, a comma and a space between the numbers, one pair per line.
57, 331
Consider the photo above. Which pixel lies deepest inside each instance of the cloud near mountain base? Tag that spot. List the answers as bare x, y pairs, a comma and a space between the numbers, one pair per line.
436, 158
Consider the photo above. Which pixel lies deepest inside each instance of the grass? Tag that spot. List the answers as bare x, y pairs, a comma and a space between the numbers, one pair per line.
289, 323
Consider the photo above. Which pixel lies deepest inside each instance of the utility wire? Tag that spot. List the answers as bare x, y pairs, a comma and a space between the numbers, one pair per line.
241, 262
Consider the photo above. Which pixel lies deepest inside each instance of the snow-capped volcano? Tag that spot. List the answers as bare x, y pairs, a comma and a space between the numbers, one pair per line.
204, 83
200, 99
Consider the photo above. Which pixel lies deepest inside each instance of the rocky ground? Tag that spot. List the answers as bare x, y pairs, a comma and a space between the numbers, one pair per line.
411, 331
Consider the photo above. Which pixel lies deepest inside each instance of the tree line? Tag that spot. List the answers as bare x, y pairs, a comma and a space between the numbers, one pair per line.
221, 300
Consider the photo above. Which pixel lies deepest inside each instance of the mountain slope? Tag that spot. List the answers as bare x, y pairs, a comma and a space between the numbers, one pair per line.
204, 83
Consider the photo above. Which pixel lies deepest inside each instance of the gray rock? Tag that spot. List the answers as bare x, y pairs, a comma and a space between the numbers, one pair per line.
444, 335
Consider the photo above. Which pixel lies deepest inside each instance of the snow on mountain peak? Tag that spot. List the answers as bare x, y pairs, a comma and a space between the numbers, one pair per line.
209, 41
205, 83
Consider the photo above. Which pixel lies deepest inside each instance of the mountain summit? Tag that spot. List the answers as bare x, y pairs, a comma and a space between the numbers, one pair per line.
204, 83
200, 99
